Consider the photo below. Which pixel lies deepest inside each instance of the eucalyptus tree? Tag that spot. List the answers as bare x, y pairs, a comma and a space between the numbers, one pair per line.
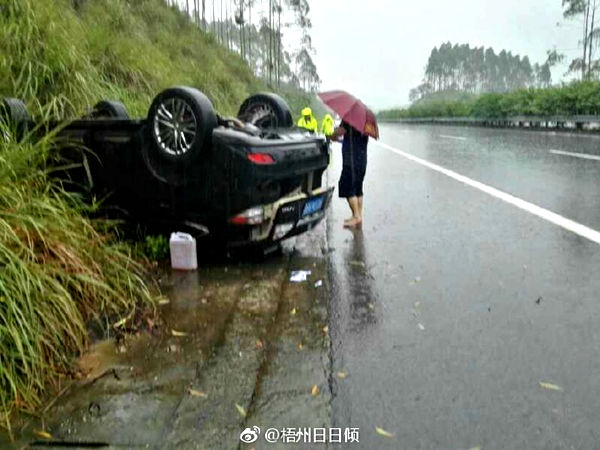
585, 11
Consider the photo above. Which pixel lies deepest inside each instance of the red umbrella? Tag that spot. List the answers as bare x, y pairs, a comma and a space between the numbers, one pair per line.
352, 111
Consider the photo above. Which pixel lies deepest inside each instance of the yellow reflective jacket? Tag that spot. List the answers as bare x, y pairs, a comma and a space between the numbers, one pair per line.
310, 125
327, 127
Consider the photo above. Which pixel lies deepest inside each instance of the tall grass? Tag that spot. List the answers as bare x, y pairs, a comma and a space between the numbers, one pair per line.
58, 271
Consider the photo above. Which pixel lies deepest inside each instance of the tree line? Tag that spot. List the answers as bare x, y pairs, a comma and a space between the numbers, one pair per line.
255, 30
476, 70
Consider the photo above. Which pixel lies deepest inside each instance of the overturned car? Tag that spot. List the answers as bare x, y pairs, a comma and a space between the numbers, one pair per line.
250, 180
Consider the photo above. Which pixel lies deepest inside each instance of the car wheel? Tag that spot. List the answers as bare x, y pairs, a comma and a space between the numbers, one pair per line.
109, 109
181, 121
266, 111
14, 117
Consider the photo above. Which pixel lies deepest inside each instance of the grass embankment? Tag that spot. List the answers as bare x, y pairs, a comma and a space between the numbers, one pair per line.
573, 99
58, 268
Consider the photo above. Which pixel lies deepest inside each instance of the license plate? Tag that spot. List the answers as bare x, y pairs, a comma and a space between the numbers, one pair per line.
313, 205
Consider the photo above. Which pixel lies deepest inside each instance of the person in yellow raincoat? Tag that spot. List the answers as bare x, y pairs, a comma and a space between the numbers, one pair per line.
307, 121
327, 126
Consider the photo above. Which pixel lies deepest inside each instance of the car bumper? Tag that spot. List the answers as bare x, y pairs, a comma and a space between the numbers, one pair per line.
285, 218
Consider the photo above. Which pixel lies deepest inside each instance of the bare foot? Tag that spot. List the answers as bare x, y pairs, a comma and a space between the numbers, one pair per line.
355, 222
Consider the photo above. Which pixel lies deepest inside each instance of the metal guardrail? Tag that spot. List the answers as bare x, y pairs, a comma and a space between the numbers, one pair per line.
578, 122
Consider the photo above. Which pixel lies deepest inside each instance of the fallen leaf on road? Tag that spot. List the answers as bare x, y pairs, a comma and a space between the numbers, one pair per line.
178, 333
315, 390
195, 393
341, 375
421, 327
293, 312
383, 433
43, 434
300, 346
241, 410
550, 386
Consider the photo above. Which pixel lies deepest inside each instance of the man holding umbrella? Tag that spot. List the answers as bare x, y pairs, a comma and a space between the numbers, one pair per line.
358, 123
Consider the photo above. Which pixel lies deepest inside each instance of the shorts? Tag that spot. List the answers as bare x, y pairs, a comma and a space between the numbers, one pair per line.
352, 178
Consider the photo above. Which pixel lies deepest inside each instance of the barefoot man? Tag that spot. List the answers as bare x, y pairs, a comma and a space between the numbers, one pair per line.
354, 157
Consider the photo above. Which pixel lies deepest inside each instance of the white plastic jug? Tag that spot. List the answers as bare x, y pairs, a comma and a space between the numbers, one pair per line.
183, 251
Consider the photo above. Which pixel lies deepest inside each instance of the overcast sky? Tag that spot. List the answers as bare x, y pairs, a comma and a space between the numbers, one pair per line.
377, 49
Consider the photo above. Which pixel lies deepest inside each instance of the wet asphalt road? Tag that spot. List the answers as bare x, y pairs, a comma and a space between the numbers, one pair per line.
451, 306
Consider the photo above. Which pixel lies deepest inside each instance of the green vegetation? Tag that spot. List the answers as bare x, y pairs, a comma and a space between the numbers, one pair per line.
156, 247
59, 269
113, 49
573, 99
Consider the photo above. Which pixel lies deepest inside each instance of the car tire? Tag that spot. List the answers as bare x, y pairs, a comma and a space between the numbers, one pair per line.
14, 115
266, 111
182, 138
109, 109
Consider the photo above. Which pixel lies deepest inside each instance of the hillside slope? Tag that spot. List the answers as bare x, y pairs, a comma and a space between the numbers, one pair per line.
71, 53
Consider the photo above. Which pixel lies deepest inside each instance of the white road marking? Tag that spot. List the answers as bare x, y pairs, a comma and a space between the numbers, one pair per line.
538, 211
576, 155
458, 138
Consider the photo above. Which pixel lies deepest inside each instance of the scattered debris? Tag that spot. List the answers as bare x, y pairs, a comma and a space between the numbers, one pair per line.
371, 306
195, 393
421, 327
43, 434
325, 329
539, 300
299, 276
121, 349
94, 409
382, 432
178, 333
300, 346
293, 312
319, 283
417, 304
357, 263
241, 410
341, 375
476, 448
550, 386
173, 348
164, 301
315, 390
415, 281
259, 344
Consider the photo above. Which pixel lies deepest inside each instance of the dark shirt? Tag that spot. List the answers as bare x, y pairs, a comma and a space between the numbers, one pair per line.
354, 146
